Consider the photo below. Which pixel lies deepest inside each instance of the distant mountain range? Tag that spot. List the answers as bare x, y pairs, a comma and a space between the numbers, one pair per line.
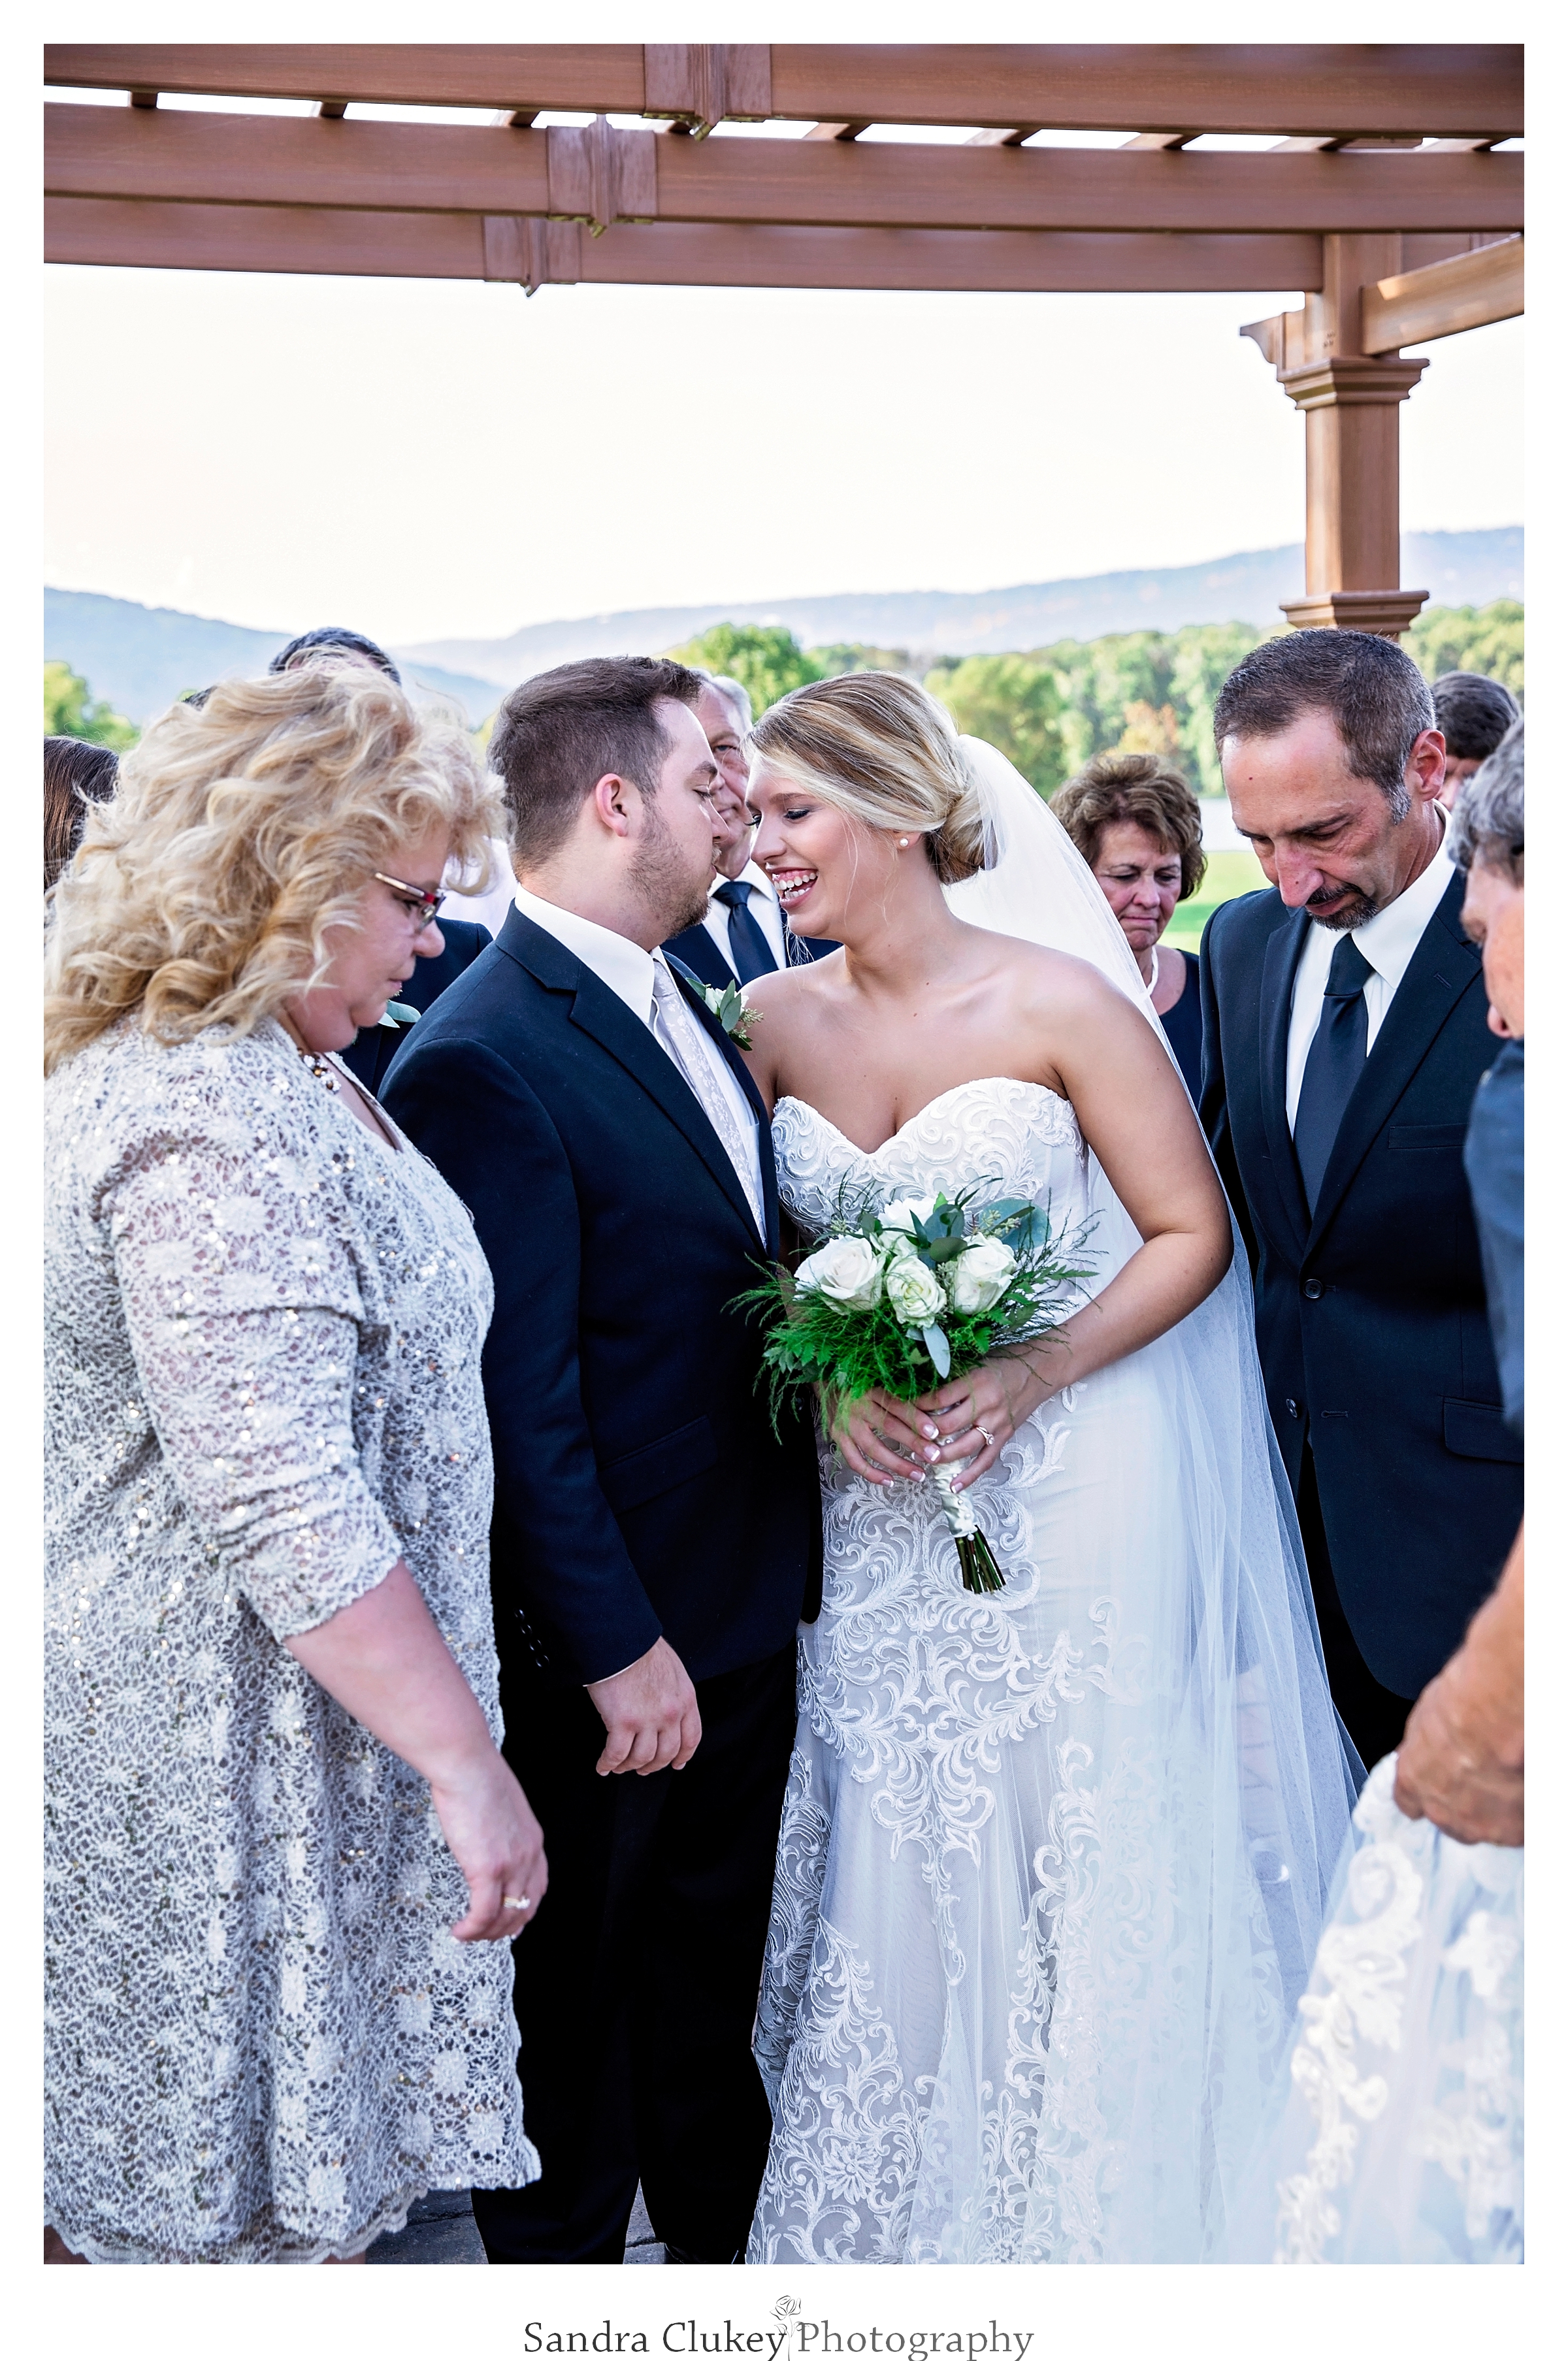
1458, 570
140, 658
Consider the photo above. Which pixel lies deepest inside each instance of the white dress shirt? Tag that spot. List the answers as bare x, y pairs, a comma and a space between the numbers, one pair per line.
628, 969
764, 906
1386, 942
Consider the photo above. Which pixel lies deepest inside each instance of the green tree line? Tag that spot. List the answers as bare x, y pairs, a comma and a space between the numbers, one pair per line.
1051, 709
71, 710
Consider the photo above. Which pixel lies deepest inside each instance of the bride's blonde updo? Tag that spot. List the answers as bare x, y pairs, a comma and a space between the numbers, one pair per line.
876, 746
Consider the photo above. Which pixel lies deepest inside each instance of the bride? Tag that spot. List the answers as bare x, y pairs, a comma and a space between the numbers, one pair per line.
1053, 1860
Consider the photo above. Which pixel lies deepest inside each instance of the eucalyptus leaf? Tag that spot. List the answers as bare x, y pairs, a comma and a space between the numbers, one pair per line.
936, 1344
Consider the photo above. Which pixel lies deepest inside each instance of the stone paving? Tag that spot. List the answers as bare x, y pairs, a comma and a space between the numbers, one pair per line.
441, 2230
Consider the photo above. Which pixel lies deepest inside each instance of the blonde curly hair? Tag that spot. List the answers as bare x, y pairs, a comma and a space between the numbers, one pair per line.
244, 829
876, 746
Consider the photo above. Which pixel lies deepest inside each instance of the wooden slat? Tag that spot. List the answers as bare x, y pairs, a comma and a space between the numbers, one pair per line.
452, 245
1441, 89
267, 160
1468, 290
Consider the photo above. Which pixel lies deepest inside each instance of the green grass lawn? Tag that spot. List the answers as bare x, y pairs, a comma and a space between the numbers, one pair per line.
1228, 874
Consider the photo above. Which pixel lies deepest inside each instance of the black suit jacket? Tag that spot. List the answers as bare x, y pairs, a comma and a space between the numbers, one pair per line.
695, 946
639, 1487
1371, 1316
374, 1046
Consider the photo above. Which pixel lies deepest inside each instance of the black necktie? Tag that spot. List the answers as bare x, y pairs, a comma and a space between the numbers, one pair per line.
1333, 1064
750, 953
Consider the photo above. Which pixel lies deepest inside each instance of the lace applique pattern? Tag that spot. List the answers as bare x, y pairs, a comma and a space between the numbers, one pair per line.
1384, 1979
263, 1387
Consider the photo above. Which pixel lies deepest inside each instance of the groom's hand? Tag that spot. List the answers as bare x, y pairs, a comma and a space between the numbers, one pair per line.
650, 1713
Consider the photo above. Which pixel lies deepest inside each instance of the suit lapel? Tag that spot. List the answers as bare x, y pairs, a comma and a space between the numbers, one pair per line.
692, 986
1279, 959
606, 1018
1444, 966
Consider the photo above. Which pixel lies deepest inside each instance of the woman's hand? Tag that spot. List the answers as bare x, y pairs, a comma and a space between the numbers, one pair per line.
384, 1661
973, 1417
882, 1440
885, 1440
497, 1843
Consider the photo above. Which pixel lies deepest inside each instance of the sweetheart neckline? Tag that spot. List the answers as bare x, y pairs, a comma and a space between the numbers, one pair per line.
980, 1082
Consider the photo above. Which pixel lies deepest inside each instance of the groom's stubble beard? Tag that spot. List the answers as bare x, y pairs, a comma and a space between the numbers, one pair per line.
662, 876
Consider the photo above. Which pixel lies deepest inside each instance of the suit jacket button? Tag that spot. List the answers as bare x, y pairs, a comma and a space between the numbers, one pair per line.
1311, 1288
1292, 1410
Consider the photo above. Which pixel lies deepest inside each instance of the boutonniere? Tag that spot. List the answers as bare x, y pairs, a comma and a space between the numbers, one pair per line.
728, 1006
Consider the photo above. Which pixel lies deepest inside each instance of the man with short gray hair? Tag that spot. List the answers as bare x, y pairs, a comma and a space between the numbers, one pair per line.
1344, 1036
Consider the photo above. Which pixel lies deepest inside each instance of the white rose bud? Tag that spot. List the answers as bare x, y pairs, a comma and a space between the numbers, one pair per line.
847, 1270
913, 1292
905, 1212
979, 1276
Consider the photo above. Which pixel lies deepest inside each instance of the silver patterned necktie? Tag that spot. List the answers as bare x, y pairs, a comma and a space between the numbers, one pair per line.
678, 1033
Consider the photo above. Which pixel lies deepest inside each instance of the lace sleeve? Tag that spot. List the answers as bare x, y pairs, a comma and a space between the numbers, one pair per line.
243, 1307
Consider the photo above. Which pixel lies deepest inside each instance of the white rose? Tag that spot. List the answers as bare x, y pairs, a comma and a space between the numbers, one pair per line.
913, 1292
903, 1214
979, 1276
847, 1270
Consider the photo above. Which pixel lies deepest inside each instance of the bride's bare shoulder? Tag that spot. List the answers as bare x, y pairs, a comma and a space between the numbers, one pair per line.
1057, 982
793, 988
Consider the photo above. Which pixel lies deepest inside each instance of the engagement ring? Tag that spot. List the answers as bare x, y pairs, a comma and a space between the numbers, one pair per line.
516, 1902
990, 1438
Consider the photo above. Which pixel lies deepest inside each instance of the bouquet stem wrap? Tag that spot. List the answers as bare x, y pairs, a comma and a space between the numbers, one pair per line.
980, 1571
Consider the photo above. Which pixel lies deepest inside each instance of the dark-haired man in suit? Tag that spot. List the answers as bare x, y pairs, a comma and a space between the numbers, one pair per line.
1345, 1034
742, 933
655, 1542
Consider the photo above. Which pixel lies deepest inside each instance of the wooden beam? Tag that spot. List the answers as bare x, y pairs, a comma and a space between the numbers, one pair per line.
1437, 90
341, 242
1468, 290
95, 151
601, 77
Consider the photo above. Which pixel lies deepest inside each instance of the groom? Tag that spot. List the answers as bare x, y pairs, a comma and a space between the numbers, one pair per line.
655, 1545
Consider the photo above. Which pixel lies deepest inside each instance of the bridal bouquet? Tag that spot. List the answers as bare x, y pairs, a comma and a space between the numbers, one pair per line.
903, 1298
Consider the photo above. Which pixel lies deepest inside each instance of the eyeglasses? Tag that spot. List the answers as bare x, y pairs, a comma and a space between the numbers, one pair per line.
420, 906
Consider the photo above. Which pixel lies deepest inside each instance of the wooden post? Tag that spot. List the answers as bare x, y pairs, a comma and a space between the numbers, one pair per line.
1351, 402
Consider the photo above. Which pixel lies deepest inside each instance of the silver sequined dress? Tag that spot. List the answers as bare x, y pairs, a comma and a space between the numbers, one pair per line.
263, 1387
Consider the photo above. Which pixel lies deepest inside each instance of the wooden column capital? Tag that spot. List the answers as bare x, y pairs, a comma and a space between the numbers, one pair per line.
1387, 613
1331, 383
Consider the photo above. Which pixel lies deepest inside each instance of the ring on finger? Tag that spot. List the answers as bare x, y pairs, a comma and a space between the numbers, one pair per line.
990, 1438
516, 1902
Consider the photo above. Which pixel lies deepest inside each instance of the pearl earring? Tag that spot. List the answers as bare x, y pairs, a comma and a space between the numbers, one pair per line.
904, 844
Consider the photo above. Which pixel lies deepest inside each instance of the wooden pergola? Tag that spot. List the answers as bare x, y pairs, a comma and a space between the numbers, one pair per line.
1379, 196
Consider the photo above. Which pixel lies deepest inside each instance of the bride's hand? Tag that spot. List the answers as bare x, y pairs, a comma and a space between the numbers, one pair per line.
975, 1415
882, 1440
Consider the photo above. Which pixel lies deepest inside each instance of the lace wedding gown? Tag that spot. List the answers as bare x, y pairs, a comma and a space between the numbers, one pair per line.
1052, 1861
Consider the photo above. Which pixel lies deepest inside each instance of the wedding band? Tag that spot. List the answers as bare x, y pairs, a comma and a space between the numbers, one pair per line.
516, 1902
990, 1439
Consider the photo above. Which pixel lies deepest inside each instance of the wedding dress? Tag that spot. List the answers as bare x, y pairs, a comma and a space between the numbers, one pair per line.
1053, 1861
